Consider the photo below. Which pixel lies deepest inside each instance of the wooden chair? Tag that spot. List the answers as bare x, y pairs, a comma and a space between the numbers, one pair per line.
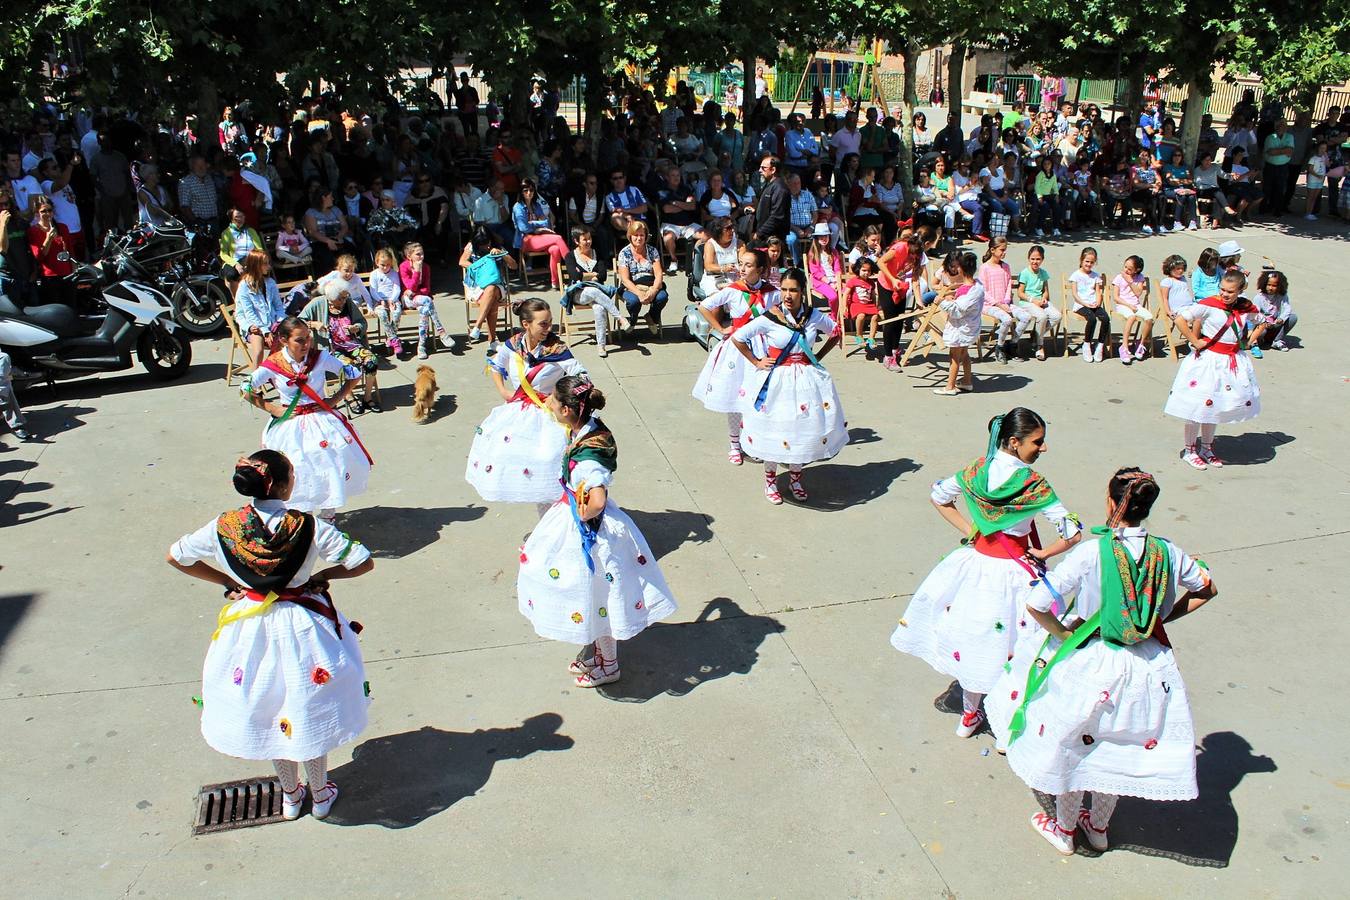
523, 258
1117, 317
1164, 318
238, 345
503, 308
927, 337
581, 320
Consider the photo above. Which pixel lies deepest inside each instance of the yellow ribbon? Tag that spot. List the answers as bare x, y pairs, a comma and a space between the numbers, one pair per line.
523, 376
226, 617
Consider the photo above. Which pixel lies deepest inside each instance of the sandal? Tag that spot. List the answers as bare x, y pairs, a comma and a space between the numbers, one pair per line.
582, 664
735, 457
771, 489
795, 485
292, 802
357, 406
605, 671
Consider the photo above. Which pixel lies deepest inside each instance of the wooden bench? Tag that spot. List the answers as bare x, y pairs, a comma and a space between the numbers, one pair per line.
981, 102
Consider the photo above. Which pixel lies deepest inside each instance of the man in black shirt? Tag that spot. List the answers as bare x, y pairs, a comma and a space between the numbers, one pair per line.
950, 142
679, 215
466, 104
773, 208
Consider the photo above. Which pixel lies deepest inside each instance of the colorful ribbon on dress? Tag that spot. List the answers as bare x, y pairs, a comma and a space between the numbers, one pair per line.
589, 535
798, 339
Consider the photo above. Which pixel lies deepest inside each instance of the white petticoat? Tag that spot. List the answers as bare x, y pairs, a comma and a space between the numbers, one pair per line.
1206, 390
260, 674
1111, 720
330, 467
516, 455
967, 616
802, 419
721, 386
565, 601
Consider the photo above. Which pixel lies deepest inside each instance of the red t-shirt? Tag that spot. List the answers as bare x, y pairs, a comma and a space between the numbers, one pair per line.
242, 197
55, 261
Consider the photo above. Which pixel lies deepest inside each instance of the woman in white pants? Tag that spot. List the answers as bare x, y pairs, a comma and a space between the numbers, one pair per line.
586, 273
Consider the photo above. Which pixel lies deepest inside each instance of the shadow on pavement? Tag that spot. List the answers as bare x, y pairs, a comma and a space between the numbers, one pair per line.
1250, 449
400, 780
25, 511
833, 487
122, 382
667, 531
13, 607
675, 659
392, 532
399, 398
1200, 832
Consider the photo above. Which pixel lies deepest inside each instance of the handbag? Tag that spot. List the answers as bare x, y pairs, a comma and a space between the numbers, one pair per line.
998, 224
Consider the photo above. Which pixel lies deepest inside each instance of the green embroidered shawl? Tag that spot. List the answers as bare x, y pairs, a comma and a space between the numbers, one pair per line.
1020, 497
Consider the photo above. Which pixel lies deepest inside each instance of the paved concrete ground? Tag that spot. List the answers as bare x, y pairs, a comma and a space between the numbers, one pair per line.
768, 741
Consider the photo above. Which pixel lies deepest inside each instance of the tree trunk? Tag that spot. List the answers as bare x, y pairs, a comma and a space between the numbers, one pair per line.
955, 75
748, 97
594, 99
1190, 120
1134, 93
908, 101
208, 114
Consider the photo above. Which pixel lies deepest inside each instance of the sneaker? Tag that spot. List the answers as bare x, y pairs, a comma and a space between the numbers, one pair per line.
672, 268
292, 802
965, 387
447, 340
1057, 233
375, 405
1311, 217
1192, 458
1098, 353
653, 325
1040, 354
1256, 352
1085, 351
891, 363
1094, 837
1278, 345
1039, 233
1177, 226
320, 809
871, 344
1147, 229
1046, 826
22, 434
422, 350
970, 723
1206, 452
1140, 350
857, 340
1000, 355
1192, 226
1125, 356
947, 392
395, 346
475, 334
602, 352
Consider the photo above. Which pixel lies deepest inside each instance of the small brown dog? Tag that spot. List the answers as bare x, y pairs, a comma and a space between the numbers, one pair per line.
424, 393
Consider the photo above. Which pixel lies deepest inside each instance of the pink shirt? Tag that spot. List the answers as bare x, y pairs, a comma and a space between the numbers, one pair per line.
419, 284
997, 281
1126, 293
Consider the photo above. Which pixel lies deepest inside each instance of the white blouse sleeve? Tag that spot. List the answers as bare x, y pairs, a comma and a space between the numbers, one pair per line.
590, 473
572, 366
337, 546
717, 300
946, 491
1065, 522
330, 363
757, 326
500, 362
196, 546
257, 382
1190, 576
1192, 312
825, 325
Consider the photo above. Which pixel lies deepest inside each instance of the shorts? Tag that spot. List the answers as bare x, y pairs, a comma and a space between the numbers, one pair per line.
687, 232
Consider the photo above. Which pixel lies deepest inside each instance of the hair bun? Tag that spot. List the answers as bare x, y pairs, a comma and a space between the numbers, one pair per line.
249, 481
595, 400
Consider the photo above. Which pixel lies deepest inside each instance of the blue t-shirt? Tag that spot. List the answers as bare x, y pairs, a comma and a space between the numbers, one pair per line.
1147, 121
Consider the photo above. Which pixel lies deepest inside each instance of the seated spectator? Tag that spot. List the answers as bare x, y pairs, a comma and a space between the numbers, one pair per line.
719, 255
1049, 215
864, 205
1179, 187
999, 194
257, 304
1089, 302
801, 217
641, 278
484, 284
1272, 299
1130, 299
48, 241
340, 328
996, 277
826, 210
967, 188
868, 245
1033, 297
1082, 192
679, 216
533, 222
1206, 276
825, 265
1117, 191
242, 195
430, 207
586, 272
744, 191
1238, 183
625, 204
391, 225
464, 196
1146, 192
326, 228
415, 275
153, 201
860, 292
717, 201
236, 241
292, 247
493, 212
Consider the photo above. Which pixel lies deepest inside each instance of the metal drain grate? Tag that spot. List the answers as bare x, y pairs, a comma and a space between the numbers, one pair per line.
238, 804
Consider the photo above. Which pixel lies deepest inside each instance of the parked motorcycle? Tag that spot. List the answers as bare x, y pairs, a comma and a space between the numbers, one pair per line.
53, 341
181, 263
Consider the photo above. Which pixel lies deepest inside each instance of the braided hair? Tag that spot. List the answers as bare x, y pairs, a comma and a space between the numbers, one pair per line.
1133, 492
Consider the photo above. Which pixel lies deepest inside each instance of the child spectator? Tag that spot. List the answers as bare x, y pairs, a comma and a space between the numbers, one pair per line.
826, 267
1046, 190
996, 277
1317, 177
1130, 295
1087, 302
1205, 277
292, 247
1117, 192
1033, 296
869, 245
416, 278
1084, 191
963, 303
777, 252
861, 291
1146, 192
387, 292
1272, 299
1174, 291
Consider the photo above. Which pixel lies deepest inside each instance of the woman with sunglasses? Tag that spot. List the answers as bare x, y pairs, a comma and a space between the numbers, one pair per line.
533, 221
49, 242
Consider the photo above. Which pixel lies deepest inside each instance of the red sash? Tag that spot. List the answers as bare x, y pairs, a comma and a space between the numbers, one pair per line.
299, 597
792, 359
277, 363
1235, 314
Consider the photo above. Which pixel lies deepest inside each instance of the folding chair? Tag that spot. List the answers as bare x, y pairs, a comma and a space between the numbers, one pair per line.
1164, 319
237, 345
581, 320
523, 258
1115, 316
927, 336
503, 308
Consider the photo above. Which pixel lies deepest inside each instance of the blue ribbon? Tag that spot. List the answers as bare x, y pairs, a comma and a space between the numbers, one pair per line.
588, 534
798, 340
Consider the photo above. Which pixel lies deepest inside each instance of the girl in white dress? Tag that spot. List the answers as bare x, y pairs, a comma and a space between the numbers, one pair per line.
1098, 705
518, 448
283, 678
962, 299
721, 385
331, 463
587, 575
1216, 382
967, 615
792, 411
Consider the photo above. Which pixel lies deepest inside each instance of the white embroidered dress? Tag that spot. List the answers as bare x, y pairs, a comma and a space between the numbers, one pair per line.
1215, 388
721, 383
